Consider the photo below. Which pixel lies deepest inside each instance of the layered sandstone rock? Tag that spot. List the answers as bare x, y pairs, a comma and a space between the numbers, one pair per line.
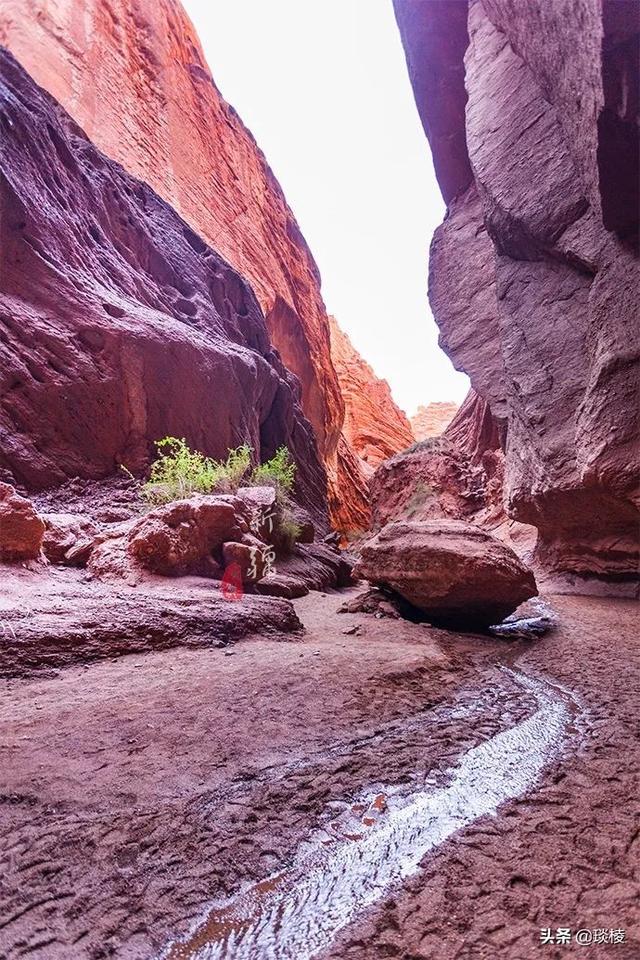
61, 618
21, 529
374, 426
433, 420
432, 480
455, 573
133, 75
68, 539
118, 324
531, 111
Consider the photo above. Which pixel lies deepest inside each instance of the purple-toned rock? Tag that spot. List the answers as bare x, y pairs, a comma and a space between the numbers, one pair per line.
119, 325
68, 538
532, 113
173, 538
455, 573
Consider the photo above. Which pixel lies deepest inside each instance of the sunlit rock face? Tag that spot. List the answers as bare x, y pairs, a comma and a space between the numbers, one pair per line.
532, 115
118, 324
374, 426
133, 75
433, 419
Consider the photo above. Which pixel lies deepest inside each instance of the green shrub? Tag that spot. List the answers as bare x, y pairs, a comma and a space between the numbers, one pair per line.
279, 472
179, 471
289, 530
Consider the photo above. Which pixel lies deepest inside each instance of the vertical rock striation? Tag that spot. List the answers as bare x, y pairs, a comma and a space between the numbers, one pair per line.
118, 324
433, 420
532, 115
374, 426
133, 75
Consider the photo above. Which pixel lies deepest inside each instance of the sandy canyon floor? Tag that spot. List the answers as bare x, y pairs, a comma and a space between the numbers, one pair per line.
138, 791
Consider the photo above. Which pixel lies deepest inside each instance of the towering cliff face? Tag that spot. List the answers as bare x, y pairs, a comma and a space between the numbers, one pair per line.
532, 115
133, 75
432, 420
374, 426
118, 324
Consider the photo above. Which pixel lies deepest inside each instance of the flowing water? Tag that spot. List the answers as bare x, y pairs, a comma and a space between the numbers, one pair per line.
296, 913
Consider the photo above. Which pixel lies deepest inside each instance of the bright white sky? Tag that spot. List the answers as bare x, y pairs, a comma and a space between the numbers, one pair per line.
324, 88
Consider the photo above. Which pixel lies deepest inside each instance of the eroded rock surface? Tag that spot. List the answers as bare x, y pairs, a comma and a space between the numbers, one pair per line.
455, 573
57, 617
531, 111
118, 324
432, 420
134, 76
68, 538
431, 480
374, 426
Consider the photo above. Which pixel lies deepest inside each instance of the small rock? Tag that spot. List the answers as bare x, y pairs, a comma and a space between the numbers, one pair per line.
21, 529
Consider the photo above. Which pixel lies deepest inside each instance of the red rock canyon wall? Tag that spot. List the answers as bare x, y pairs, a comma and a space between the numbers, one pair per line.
374, 426
432, 420
133, 75
531, 111
118, 324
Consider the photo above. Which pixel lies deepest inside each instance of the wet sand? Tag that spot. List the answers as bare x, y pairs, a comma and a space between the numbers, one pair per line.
137, 793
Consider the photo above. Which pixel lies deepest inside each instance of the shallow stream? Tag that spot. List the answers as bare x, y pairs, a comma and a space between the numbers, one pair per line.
380, 840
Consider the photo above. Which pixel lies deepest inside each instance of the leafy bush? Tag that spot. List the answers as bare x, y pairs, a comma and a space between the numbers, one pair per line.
279, 472
179, 471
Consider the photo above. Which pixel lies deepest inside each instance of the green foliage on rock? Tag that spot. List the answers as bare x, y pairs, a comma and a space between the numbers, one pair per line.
279, 472
179, 472
289, 530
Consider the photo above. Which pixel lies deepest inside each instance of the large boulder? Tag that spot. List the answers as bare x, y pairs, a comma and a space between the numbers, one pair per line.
21, 529
455, 573
171, 539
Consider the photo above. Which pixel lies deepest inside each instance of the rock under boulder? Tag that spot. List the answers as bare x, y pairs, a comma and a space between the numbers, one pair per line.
21, 529
454, 573
310, 566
